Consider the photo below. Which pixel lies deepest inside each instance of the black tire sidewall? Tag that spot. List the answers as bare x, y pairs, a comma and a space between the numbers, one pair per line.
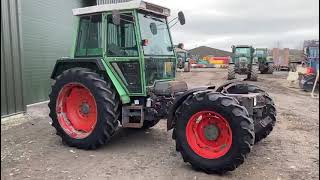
208, 105
82, 79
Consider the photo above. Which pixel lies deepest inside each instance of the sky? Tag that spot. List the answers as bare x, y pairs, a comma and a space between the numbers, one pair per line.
261, 23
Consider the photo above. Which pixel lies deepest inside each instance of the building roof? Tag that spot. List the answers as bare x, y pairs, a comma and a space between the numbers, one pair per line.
120, 5
203, 51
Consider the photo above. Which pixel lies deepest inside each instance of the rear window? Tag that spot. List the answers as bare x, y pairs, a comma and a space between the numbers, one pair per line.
89, 36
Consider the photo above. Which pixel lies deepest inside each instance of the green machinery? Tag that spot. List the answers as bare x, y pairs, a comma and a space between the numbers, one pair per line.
265, 62
182, 58
243, 63
122, 71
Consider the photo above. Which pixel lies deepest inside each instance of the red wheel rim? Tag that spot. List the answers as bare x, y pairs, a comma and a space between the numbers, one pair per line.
76, 110
209, 134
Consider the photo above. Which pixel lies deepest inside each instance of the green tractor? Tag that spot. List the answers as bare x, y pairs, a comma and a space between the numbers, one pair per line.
182, 58
122, 72
265, 62
243, 63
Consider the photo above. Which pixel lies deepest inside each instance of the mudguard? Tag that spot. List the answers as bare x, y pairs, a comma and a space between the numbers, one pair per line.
177, 102
97, 65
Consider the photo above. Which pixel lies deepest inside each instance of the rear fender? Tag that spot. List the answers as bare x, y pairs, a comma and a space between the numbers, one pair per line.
97, 65
177, 102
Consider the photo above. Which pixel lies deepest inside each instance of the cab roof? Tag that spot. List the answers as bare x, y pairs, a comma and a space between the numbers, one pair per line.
120, 5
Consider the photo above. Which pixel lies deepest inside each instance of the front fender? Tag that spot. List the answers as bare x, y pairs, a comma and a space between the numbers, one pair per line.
97, 65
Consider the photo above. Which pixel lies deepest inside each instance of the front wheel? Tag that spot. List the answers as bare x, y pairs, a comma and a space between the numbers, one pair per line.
84, 108
254, 73
213, 132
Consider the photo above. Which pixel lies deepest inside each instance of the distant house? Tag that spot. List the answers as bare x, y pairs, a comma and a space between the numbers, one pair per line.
204, 51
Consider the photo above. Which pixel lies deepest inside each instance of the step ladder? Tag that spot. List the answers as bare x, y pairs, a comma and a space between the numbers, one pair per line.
132, 116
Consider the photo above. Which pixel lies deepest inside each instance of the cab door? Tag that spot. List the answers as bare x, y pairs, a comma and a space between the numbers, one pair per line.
122, 52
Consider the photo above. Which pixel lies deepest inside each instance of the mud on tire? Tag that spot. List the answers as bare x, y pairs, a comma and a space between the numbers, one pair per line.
241, 125
107, 103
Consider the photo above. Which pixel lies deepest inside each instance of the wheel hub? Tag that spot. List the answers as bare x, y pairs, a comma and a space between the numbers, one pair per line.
211, 132
76, 110
85, 108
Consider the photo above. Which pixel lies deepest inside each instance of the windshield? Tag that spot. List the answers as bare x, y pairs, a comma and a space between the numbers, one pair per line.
260, 53
159, 43
242, 51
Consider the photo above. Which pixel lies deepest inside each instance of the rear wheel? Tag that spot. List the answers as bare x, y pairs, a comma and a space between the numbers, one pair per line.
213, 132
270, 68
84, 108
231, 72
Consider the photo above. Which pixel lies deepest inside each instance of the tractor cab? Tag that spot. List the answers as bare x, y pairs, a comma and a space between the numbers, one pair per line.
132, 38
261, 53
242, 56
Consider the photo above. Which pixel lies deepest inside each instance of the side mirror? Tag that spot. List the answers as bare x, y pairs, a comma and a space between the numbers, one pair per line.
116, 17
181, 45
153, 28
181, 18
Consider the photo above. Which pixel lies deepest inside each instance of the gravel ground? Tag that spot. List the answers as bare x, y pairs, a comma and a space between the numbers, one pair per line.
31, 150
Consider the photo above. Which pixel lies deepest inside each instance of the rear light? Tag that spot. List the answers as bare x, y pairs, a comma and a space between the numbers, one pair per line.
310, 70
145, 42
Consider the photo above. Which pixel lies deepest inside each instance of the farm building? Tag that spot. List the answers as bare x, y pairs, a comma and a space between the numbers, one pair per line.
34, 34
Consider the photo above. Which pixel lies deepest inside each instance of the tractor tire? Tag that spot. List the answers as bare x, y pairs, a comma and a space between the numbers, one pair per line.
254, 73
91, 118
270, 69
270, 112
231, 72
225, 135
150, 124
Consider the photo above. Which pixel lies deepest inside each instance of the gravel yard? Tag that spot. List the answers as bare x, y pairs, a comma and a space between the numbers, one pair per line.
31, 150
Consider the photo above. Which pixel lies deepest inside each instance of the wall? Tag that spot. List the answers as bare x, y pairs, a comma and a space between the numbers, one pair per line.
11, 61
47, 34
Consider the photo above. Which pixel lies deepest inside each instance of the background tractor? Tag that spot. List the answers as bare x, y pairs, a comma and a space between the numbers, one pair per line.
265, 62
243, 63
122, 71
183, 58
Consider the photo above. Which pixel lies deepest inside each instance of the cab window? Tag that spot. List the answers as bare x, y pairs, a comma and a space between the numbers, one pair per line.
89, 41
121, 39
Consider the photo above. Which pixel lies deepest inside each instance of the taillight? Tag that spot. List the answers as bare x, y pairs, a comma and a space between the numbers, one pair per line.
145, 42
310, 70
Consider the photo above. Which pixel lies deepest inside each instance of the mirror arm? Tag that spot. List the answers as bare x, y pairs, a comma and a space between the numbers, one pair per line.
173, 24
172, 20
